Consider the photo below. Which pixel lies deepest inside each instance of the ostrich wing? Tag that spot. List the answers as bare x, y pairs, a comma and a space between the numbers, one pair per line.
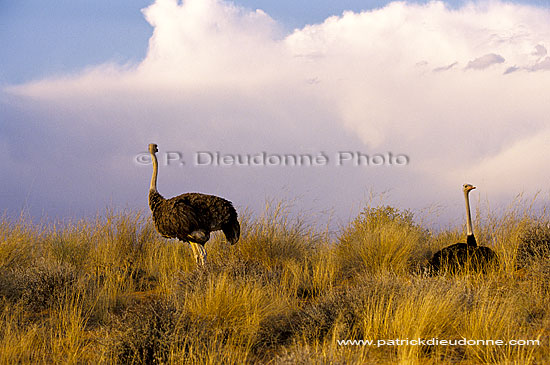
175, 219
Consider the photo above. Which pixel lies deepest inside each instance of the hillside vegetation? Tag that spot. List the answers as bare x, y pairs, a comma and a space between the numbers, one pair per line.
111, 290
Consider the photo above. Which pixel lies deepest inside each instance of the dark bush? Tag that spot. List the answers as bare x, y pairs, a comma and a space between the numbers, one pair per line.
37, 287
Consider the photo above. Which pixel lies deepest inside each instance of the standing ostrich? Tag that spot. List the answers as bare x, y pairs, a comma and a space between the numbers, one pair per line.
191, 217
461, 255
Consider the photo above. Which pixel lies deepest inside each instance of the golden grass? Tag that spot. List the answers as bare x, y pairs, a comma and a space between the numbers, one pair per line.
111, 290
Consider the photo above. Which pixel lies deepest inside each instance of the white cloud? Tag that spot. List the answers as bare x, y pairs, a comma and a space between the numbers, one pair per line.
485, 61
519, 167
542, 62
511, 69
445, 68
541, 65
540, 51
219, 77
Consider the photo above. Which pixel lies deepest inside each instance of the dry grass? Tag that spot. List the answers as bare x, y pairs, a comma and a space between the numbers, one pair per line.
111, 290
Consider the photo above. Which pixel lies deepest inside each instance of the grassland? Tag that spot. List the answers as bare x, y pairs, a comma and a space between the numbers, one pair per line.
111, 290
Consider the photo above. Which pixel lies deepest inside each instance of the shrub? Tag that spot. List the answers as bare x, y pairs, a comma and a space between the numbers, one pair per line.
381, 239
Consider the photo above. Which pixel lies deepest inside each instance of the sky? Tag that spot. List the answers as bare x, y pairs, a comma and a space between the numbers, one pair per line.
321, 104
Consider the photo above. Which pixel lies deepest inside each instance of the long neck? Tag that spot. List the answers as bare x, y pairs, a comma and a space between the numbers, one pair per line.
155, 172
469, 229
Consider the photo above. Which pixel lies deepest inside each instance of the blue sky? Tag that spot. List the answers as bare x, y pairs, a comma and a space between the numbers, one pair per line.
461, 89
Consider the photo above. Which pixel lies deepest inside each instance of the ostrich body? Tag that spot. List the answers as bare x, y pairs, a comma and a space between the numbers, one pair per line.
191, 217
461, 255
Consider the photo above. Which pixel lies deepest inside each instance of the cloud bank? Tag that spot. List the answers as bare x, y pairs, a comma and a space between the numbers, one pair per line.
462, 92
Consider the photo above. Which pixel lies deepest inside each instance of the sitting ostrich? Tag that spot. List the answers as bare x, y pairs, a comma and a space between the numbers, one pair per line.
191, 217
461, 255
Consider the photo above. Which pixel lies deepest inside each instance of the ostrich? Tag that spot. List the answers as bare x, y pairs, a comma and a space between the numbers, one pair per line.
467, 254
191, 217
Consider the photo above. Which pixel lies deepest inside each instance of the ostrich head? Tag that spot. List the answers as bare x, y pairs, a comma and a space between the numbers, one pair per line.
468, 187
153, 148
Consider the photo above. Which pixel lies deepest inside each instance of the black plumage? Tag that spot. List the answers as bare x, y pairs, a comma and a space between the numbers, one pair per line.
460, 256
191, 217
